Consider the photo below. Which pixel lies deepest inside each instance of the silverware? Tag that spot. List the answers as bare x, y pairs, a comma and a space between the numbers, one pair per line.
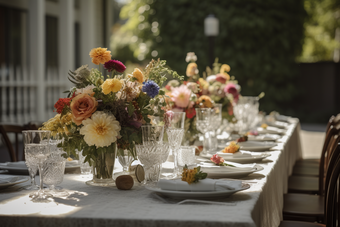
193, 201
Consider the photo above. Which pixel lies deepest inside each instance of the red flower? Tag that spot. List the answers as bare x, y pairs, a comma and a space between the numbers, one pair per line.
167, 87
62, 102
190, 113
114, 65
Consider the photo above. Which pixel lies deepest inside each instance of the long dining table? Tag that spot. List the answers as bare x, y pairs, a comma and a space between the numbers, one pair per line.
90, 206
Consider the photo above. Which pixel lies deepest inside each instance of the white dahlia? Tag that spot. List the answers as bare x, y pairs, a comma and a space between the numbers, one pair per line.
101, 130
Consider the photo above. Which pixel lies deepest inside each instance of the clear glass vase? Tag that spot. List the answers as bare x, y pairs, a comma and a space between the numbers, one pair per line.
102, 168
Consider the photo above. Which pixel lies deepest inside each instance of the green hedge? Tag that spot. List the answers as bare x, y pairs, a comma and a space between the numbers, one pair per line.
259, 39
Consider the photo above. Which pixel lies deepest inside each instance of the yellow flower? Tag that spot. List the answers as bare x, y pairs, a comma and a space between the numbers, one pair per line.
188, 175
137, 73
100, 55
232, 148
100, 130
203, 83
205, 101
192, 69
111, 85
264, 126
224, 69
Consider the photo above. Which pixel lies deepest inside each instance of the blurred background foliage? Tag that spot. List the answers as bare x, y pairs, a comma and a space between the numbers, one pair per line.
262, 40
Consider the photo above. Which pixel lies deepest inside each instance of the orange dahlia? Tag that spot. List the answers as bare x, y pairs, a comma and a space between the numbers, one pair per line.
205, 101
100, 55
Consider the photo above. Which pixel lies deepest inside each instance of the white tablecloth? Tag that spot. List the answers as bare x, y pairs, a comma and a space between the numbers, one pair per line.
90, 206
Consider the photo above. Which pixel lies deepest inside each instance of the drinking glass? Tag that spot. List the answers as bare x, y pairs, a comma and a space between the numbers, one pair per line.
203, 125
32, 166
85, 168
151, 155
54, 169
215, 123
125, 158
186, 156
152, 134
246, 111
174, 123
36, 144
175, 137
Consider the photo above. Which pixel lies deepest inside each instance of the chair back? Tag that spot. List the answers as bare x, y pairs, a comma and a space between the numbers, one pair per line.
332, 198
6, 130
328, 147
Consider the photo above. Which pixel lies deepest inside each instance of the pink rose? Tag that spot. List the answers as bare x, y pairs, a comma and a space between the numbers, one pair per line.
231, 89
221, 78
217, 159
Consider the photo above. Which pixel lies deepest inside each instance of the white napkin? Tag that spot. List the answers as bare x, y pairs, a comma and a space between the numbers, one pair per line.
72, 163
236, 154
212, 168
20, 164
202, 185
5, 180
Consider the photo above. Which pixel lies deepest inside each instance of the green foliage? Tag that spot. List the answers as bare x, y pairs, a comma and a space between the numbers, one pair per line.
323, 19
259, 39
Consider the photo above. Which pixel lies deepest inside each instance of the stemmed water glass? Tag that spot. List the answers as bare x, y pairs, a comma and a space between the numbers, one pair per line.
151, 155
37, 146
152, 134
174, 122
32, 166
203, 125
125, 158
215, 123
54, 168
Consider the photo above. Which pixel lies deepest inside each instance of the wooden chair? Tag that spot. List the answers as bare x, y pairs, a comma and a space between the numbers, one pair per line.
6, 129
312, 162
313, 184
332, 207
304, 207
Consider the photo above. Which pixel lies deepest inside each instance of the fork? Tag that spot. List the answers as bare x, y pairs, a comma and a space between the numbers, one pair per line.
194, 201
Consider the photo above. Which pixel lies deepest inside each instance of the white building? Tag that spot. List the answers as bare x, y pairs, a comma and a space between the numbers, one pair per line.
40, 41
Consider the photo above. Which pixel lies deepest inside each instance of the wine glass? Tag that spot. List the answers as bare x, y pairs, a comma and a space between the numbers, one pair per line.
125, 158
32, 166
203, 125
54, 168
151, 155
174, 122
152, 134
215, 123
36, 144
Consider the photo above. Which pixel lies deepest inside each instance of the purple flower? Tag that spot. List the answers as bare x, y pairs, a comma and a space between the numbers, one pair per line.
114, 65
151, 88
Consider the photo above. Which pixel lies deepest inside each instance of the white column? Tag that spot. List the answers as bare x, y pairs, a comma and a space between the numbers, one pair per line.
87, 31
37, 53
66, 40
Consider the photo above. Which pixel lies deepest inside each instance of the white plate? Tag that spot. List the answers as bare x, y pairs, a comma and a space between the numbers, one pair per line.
24, 170
270, 130
253, 158
264, 137
197, 195
19, 180
278, 124
236, 174
14, 169
256, 145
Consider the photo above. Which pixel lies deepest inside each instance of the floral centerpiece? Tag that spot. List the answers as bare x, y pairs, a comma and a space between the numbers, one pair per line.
102, 115
199, 92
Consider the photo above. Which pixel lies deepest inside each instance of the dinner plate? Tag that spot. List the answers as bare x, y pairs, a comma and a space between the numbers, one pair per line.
270, 130
278, 124
22, 170
16, 180
221, 193
252, 158
256, 145
264, 137
236, 174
